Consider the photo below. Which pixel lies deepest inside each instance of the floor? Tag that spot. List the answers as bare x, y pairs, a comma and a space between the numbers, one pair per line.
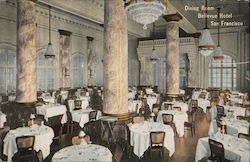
185, 147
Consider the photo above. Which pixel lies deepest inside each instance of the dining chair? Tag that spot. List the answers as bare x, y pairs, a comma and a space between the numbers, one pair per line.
168, 106
55, 123
38, 120
155, 110
157, 142
217, 151
177, 108
220, 111
59, 99
168, 119
190, 124
25, 149
3, 132
194, 103
92, 128
245, 136
78, 104
92, 115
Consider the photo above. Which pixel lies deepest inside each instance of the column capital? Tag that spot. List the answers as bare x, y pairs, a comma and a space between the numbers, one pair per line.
89, 38
64, 32
172, 17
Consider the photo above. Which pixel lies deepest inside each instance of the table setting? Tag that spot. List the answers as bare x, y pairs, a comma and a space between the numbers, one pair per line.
236, 149
140, 136
180, 117
234, 126
83, 152
43, 138
82, 116
50, 110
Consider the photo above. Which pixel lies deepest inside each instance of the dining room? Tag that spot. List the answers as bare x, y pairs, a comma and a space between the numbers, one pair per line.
124, 80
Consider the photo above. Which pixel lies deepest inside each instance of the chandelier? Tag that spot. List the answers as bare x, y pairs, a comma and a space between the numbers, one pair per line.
154, 56
206, 43
49, 54
145, 11
217, 54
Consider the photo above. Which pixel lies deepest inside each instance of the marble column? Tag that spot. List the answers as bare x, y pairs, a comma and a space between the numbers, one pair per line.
26, 52
64, 47
146, 71
115, 59
172, 53
90, 59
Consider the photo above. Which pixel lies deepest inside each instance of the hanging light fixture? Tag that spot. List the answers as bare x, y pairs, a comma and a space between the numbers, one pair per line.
217, 54
49, 54
145, 11
206, 43
154, 56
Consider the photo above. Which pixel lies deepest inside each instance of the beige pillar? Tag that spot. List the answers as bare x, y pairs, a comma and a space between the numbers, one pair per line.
26, 52
90, 59
172, 53
115, 59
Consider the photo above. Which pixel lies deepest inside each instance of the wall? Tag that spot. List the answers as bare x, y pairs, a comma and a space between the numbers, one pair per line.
155, 74
234, 42
80, 29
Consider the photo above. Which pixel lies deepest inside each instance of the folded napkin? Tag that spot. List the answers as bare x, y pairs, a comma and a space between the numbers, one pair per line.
218, 136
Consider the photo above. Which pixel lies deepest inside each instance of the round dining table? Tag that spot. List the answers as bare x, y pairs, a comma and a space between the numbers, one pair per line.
140, 136
43, 138
82, 153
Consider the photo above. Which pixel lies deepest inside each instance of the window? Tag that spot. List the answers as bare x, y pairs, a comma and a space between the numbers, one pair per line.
46, 73
7, 70
77, 70
222, 74
182, 73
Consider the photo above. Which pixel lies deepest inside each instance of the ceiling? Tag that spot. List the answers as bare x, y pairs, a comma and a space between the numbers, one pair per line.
93, 10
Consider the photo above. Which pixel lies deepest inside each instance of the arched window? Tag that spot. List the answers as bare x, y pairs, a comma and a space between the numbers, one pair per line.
77, 70
222, 74
7, 70
46, 73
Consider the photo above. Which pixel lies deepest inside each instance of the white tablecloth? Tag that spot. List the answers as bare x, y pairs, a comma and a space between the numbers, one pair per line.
236, 126
203, 103
48, 99
11, 97
236, 149
236, 101
140, 136
64, 95
195, 95
150, 101
87, 152
132, 105
51, 110
2, 119
43, 138
179, 118
131, 95
85, 103
237, 111
149, 91
82, 116
184, 106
